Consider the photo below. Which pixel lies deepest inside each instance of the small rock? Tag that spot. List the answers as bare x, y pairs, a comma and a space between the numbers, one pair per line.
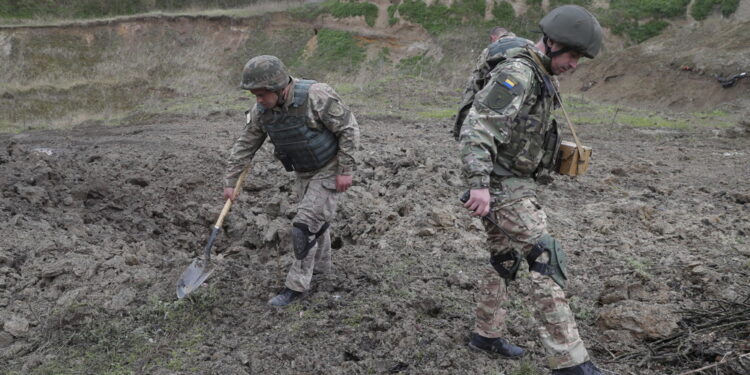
54, 269
426, 232
16, 326
642, 319
442, 218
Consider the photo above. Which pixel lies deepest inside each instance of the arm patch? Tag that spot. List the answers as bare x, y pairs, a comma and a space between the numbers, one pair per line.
504, 89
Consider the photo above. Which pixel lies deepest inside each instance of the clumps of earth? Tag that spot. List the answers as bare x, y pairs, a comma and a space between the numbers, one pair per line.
98, 224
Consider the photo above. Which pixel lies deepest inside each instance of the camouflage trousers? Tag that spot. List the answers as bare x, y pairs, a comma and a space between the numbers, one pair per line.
317, 205
525, 221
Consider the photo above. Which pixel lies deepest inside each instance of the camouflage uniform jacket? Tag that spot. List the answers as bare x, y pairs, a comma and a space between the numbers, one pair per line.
503, 135
325, 109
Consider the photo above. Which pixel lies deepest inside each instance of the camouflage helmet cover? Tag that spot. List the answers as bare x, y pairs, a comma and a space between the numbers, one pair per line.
575, 27
264, 72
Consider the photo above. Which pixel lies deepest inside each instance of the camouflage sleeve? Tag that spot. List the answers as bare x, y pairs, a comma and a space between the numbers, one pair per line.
489, 123
477, 75
328, 109
244, 148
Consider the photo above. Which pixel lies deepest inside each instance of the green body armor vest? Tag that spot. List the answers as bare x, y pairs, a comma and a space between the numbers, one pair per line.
299, 147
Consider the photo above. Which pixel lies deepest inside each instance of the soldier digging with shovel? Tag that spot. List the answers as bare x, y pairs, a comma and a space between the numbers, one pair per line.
314, 134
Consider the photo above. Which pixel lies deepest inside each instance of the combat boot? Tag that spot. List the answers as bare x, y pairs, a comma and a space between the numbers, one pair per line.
495, 345
284, 298
585, 368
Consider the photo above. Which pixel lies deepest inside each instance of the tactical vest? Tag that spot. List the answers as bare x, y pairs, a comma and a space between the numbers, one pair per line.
497, 52
299, 147
535, 139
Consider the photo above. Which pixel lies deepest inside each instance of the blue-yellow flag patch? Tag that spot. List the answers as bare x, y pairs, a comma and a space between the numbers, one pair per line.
502, 91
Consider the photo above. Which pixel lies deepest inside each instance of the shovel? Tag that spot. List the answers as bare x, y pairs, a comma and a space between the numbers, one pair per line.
201, 268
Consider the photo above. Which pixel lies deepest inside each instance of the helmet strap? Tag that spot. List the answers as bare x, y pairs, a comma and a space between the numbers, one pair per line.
548, 49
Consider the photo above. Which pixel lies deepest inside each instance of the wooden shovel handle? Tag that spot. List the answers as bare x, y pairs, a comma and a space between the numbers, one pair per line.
228, 204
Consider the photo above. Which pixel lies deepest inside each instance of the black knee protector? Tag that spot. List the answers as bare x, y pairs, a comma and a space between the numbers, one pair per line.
301, 239
557, 266
497, 263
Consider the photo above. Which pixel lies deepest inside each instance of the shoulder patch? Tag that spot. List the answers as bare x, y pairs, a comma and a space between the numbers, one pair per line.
334, 108
504, 89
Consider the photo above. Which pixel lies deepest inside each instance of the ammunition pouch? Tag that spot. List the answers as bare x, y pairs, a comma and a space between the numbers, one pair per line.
300, 239
497, 263
557, 266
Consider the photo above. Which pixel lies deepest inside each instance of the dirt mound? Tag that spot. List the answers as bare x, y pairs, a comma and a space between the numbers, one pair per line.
675, 71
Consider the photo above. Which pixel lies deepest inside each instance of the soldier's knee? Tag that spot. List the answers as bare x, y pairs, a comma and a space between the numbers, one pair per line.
556, 267
303, 239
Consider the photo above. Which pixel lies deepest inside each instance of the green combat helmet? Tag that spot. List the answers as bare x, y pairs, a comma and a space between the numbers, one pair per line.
264, 72
573, 27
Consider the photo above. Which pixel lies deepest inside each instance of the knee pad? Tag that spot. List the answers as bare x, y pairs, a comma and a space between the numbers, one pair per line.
557, 266
497, 263
301, 239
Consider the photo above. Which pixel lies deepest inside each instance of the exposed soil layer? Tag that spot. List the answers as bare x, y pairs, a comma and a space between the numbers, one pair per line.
100, 222
675, 71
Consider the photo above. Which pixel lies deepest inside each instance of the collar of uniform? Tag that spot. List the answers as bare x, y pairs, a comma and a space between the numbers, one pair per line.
544, 61
289, 96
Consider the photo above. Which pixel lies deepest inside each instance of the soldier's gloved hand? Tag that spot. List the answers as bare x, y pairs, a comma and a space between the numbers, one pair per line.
479, 202
230, 194
343, 182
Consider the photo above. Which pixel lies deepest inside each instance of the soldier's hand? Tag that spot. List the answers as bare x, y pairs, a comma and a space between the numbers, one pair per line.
343, 182
230, 194
479, 202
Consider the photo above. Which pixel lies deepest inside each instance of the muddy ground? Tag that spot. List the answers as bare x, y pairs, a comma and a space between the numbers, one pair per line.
98, 224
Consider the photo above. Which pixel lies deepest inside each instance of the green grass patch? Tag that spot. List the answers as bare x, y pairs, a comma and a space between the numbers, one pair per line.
338, 9
504, 13
640, 20
581, 310
525, 367
415, 65
84, 9
651, 121
337, 51
701, 9
437, 113
353, 9
641, 9
128, 344
438, 18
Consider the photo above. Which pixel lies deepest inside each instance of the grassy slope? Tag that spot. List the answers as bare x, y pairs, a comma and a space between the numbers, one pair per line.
125, 70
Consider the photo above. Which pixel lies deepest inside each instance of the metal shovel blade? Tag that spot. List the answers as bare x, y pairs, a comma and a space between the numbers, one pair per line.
193, 277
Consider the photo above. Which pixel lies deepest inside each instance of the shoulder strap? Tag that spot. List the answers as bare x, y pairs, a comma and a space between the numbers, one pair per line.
503, 45
559, 99
301, 88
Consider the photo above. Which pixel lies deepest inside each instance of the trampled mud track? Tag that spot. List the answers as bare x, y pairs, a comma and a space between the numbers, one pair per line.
99, 222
